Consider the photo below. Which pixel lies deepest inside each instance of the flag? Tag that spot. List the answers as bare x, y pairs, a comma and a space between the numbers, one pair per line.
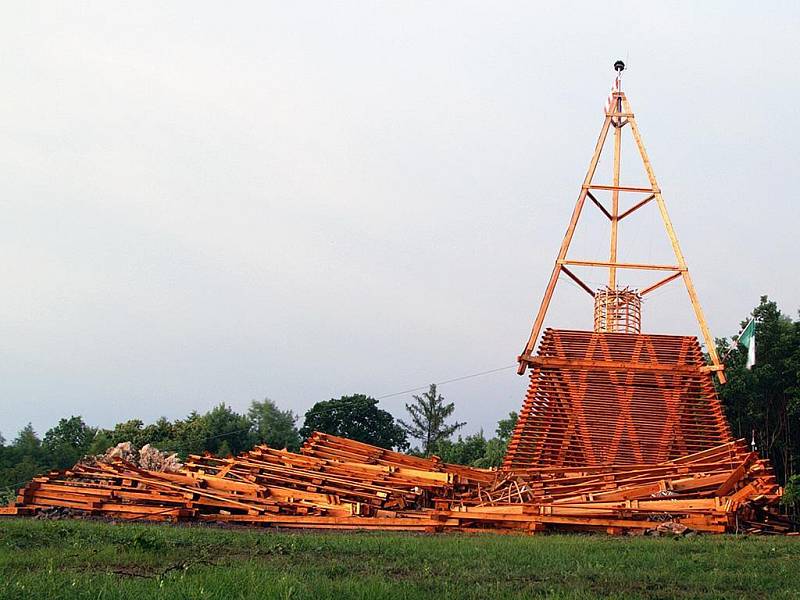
748, 338
610, 99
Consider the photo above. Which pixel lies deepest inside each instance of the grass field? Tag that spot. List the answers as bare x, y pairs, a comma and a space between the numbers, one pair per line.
80, 559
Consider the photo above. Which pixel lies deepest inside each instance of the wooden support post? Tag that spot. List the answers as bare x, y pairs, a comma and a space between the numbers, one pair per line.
676, 248
562, 253
612, 270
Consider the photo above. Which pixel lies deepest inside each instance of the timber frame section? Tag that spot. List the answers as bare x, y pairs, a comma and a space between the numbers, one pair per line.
620, 115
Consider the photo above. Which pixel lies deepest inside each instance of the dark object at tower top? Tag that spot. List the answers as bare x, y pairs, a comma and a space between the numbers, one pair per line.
619, 66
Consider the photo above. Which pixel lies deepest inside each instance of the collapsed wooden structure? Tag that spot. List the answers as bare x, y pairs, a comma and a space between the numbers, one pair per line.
336, 483
620, 431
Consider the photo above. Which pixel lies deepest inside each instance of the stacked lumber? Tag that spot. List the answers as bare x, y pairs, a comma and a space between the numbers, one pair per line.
323, 445
612, 398
335, 483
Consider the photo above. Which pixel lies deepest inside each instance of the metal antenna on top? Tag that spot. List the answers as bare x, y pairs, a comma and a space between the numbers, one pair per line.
619, 67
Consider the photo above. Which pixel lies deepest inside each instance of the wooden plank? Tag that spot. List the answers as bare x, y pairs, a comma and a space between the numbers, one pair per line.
619, 265
562, 253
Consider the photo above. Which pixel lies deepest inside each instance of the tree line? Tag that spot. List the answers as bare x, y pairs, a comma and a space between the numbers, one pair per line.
762, 405
223, 431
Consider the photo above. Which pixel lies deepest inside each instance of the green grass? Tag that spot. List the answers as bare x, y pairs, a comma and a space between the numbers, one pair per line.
80, 559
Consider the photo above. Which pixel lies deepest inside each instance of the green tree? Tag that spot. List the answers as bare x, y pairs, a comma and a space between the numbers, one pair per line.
464, 451
505, 427
160, 434
27, 442
791, 494
765, 401
475, 450
225, 426
20, 461
100, 443
429, 414
128, 431
356, 417
67, 442
191, 434
493, 455
223, 449
274, 427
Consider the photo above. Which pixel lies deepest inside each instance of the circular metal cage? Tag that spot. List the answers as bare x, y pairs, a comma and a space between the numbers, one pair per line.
617, 311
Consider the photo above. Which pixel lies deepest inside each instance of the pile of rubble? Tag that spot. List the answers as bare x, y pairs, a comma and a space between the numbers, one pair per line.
336, 483
147, 457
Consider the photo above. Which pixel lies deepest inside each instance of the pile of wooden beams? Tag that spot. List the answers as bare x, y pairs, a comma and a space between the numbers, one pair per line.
336, 483
726, 488
333, 481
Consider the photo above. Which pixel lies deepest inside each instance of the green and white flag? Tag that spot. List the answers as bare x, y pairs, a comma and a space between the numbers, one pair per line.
748, 338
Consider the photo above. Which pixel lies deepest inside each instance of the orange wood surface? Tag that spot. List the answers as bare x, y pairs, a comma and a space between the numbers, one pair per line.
605, 398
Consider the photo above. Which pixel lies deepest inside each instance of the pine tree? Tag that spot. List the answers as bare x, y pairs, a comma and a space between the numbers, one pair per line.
272, 426
428, 416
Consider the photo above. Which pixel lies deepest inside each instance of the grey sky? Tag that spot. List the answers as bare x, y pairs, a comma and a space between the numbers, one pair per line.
209, 202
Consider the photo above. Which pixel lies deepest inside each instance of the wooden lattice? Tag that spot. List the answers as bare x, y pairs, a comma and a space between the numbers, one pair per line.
603, 398
618, 311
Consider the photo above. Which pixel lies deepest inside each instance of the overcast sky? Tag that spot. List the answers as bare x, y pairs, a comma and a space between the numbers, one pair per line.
220, 202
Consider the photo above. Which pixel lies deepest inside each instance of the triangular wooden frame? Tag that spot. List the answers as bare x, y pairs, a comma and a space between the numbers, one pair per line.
617, 117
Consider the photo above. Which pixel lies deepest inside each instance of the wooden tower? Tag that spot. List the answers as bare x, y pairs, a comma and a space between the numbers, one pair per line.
616, 395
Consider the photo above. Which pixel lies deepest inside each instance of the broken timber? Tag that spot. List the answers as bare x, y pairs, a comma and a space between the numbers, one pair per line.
335, 483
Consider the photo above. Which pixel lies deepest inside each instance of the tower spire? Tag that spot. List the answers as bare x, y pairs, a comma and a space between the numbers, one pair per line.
618, 115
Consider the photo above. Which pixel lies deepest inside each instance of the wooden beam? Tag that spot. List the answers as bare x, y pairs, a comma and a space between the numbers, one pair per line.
622, 188
562, 253
613, 365
676, 248
577, 280
641, 266
637, 206
612, 259
598, 204
658, 284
